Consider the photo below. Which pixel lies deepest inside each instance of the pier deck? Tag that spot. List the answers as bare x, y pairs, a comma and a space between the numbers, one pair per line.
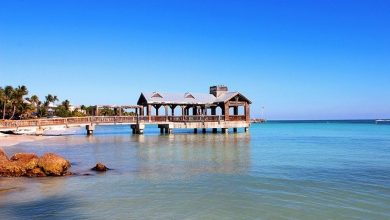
137, 123
218, 109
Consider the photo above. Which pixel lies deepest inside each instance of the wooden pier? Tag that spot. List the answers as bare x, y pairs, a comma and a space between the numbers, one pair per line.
203, 115
137, 123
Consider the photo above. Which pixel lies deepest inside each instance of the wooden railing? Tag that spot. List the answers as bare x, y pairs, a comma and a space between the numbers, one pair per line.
237, 117
114, 120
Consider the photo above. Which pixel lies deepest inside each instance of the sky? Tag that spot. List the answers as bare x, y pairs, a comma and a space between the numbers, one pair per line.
323, 59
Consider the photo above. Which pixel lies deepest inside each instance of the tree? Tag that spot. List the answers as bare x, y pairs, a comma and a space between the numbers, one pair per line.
34, 100
63, 109
34, 105
17, 99
66, 104
8, 93
41, 111
50, 99
2, 100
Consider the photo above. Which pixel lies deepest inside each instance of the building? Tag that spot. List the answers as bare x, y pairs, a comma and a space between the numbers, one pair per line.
220, 103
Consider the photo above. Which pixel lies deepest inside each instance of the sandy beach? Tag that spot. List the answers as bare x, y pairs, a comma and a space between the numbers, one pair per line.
9, 140
28, 136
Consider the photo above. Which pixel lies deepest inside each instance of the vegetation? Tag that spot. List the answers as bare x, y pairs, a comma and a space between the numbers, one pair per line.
16, 104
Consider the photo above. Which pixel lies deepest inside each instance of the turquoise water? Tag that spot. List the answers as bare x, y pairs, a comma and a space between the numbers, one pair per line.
276, 171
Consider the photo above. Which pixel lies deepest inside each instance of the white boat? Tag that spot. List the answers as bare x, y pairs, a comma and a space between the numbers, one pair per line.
382, 121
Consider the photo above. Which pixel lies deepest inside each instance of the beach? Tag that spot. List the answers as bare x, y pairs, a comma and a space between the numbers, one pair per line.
10, 140
27, 135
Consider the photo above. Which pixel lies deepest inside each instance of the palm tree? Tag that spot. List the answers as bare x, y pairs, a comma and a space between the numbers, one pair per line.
7, 96
2, 98
66, 104
50, 99
35, 103
17, 99
34, 100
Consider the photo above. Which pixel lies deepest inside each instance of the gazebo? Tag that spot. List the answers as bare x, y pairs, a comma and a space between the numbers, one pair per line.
231, 106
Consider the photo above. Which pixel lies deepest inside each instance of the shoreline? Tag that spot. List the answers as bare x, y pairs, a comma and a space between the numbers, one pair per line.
25, 136
7, 140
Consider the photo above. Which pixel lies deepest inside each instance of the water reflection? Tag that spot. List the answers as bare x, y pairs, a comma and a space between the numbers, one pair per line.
134, 158
184, 155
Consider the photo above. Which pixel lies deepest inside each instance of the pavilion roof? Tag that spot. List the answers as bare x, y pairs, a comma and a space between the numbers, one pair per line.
185, 98
178, 98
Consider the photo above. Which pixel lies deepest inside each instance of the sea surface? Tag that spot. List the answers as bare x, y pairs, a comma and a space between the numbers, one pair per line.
278, 170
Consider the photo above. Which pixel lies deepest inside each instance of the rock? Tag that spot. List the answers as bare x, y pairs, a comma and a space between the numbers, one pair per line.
36, 172
26, 161
53, 165
23, 156
19, 164
100, 167
30, 165
22, 163
3, 155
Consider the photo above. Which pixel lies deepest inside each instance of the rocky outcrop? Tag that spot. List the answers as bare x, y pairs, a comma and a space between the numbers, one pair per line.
53, 165
30, 165
3, 155
100, 167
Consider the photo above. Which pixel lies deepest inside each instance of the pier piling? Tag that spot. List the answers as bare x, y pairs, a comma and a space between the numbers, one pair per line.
90, 128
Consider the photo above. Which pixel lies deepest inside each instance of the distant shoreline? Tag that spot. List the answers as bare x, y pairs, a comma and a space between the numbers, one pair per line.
367, 121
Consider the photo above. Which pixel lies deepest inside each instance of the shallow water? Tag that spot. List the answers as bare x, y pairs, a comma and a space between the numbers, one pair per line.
276, 171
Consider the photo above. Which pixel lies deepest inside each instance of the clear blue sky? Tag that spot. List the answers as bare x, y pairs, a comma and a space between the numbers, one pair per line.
323, 59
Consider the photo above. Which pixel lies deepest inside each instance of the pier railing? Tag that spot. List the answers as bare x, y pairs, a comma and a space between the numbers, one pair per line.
237, 117
115, 120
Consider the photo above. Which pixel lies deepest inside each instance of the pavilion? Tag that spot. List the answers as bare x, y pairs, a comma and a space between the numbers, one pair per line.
231, 106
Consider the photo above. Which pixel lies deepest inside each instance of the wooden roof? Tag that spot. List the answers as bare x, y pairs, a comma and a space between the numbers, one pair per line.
187, 98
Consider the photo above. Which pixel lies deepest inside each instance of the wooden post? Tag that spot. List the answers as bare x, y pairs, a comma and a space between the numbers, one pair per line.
235, 109
173, 110
157, 107
226, 110
90, 128
182, 111
213, 110
166, 112
247, 112
148, 112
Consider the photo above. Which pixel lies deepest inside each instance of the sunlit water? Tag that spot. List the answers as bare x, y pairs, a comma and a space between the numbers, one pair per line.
276, 171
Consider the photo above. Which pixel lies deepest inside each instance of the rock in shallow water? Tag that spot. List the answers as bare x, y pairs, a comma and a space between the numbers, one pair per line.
30, 165
100, 167
53, 165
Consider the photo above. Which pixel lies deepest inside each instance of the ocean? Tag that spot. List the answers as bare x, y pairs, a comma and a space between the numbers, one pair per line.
278, 170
